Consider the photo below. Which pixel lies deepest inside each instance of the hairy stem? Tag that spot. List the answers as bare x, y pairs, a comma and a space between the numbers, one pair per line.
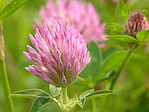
64, 95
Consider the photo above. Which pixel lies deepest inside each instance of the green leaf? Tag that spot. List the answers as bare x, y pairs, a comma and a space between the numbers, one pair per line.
107, 76
142, 35
40, 104
111, 63
81, 102
72, 102
124, 38
92, 68
54, 91
109, 51
31, 93
123, 11
12, 7
114, 26
86, 93
99, 93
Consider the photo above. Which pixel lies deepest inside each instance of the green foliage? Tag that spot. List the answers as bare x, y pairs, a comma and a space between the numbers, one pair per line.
124, 38
113, 61
114, 26
81, 102
92, 94
107, 76
143, 36
99, 93
12, 7
54, 91
123, 11
96, 59
31, 93
109, 51
40, 104
86, 93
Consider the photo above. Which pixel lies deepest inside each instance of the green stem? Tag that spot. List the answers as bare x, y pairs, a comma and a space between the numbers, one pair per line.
64, 95
118, 74
3, 73
120, 69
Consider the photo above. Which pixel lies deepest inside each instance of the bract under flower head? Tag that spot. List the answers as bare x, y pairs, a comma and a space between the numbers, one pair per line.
83, 15
61, 53
136, 23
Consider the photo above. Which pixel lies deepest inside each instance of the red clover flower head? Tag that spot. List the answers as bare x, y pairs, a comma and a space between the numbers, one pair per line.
82, 14
136, 23
60, 55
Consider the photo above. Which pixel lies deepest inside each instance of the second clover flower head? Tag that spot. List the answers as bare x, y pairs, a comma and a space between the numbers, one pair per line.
60, 54
83, 15
136, 23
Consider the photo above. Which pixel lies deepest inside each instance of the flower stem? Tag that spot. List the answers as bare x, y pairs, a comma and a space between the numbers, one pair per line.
3, 73
118, 74
64, 95
120, 69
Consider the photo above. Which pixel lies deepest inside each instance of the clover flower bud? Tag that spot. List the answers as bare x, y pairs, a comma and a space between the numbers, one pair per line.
136, 23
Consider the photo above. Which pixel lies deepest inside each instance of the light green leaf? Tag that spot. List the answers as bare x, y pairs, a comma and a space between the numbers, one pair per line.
142, 35
31, 93
81, 102
99, 93
12, 7
40, 104
124, 38
123, 11
114, 26
112, 62
92, 68
86, 93
54, 91
72, 102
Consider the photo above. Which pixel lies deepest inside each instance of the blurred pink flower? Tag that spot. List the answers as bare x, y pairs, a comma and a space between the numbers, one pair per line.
83, 15
61, 53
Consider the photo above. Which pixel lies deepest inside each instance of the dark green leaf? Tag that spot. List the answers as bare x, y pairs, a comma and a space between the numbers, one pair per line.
123, 11
112, 62
81, 102
124, 38
39, 104
86, 93
142, 35
114, 26
31, 93
99, 93
109, 51
92, 68
54, 91
12, 7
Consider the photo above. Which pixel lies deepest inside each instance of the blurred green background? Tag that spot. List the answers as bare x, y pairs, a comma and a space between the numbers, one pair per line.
132, 89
